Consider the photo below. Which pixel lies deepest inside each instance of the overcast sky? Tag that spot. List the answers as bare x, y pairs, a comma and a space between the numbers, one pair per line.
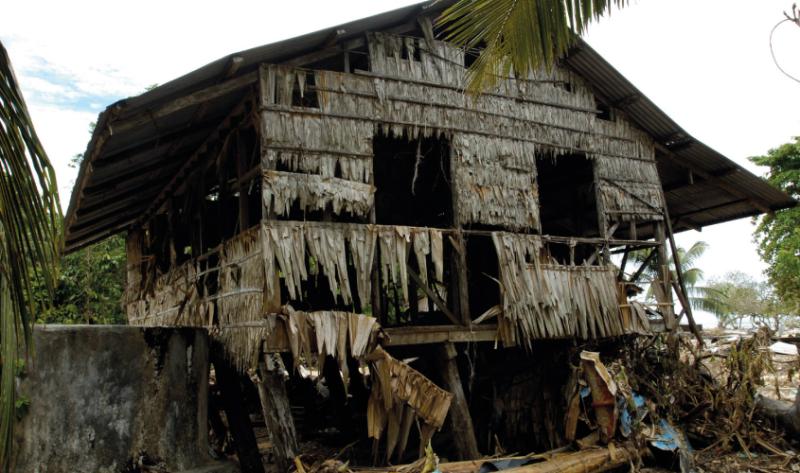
706, 63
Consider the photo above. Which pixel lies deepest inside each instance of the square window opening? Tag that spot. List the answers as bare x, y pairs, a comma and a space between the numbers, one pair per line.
567, 197
412, 177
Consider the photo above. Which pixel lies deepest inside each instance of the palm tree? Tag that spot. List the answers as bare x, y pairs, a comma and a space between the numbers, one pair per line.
518, 36
30, 230
700, 297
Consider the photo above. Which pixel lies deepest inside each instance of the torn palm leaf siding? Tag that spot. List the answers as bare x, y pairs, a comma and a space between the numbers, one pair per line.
542, 300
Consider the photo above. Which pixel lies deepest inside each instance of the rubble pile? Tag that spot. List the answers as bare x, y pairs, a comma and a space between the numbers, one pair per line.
701, 411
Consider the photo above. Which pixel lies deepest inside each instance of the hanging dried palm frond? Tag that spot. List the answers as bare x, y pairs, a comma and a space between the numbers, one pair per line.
400, 393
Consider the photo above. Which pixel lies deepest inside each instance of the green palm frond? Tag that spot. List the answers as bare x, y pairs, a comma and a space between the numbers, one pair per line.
30, 230
708, 299
695, 252
691, 276
518, 36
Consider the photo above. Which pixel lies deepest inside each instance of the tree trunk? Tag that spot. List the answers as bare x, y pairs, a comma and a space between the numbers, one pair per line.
784, 413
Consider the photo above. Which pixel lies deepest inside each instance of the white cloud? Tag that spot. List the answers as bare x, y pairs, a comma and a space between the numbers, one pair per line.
64, 133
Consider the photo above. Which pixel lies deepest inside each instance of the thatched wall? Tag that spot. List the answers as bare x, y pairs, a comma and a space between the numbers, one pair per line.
494, 138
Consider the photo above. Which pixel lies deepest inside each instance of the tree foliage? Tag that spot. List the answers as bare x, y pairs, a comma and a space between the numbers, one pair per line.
30, 237
91, 281
89, 287
701, 297
518, 37
778, 234
748, 299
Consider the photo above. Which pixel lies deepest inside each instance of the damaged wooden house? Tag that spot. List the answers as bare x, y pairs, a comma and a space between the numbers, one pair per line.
332, 204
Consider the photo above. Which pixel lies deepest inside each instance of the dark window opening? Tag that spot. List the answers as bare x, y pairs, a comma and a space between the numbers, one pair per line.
567, 199
359, 61
248, 178
604, 111
483, 274
579, 254
423, 308
307, 95
565, 85
315, 292
159, 242
412, 177
415, 54
470, 56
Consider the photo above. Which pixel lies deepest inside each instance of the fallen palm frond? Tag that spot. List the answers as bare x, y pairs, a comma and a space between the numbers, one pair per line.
30, 230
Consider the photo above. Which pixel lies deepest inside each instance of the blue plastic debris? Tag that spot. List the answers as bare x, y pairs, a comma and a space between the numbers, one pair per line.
625, 418
669, 438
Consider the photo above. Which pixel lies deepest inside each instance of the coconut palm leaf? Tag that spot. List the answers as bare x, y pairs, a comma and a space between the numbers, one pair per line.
708, 299
30, 230
518, 36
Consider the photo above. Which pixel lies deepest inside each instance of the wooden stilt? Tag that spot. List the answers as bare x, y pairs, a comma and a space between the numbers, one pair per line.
458, 419
277, 412
238, 418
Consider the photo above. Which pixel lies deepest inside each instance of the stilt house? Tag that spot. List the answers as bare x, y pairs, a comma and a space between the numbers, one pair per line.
337, 196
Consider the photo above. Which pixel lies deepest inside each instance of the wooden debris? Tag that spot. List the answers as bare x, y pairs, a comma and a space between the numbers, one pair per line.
592, 460
604, 392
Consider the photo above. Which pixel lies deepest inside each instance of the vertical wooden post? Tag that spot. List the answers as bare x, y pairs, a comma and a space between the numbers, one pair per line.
238, 418
682, 294
277, 412
461, 281
664, 292
241, 170
458, 418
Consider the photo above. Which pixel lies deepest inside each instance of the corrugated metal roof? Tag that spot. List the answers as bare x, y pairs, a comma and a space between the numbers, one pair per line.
140, 143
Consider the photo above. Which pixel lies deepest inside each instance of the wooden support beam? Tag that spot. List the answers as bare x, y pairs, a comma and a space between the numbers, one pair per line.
277, 412
432, 294
241, 170
328, 52
624, 262
635, 277
691, 181
664, 290
461, 283
431, 334
684, 215
459, 419
197, 98
719, 182
190, 163
679, 273
238, 419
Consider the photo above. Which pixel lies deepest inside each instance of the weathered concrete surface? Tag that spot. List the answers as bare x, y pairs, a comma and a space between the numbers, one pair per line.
108, 399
